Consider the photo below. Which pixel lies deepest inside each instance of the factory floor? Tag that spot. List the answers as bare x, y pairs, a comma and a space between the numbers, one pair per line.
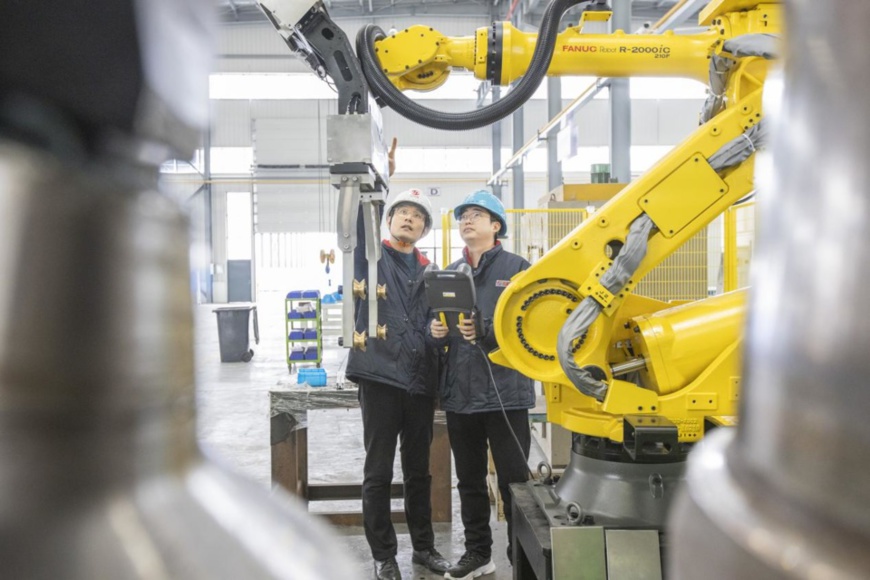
233, 428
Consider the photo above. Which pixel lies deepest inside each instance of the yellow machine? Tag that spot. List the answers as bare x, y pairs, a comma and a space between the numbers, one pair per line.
635, 379
420, 58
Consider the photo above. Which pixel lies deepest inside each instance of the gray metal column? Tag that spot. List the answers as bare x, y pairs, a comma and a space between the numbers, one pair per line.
554, 106
496, 144
518, 184
519, 179
620, 105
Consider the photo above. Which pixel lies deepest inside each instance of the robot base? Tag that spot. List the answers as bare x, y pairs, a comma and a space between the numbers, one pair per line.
611, 491
603, 519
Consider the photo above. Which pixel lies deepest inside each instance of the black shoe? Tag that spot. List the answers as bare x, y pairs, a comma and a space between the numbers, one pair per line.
387, 569
471, 565
431, 559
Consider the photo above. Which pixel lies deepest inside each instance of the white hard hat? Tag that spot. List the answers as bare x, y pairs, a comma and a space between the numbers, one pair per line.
416, 197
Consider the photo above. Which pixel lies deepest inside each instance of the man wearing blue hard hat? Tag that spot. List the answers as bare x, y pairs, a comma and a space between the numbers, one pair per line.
484, 405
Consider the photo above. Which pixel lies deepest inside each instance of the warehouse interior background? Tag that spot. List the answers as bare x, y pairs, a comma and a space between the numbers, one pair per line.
127, 421
174, 400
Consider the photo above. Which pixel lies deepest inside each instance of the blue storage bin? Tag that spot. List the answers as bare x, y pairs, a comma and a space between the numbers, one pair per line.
311, 293
314, 377
311, 314
294, 314
310, 333
294, 294
311, 353
297, 353
297, 335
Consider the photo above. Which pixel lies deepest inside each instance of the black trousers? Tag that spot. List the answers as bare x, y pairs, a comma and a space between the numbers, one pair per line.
469, 434
388, 414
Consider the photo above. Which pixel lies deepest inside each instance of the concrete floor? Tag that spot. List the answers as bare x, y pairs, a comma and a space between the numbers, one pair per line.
233, 428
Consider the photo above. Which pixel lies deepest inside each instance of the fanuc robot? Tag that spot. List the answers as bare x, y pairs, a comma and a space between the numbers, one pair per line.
637, 381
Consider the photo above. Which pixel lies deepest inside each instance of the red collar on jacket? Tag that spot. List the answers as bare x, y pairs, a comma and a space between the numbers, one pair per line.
420, 257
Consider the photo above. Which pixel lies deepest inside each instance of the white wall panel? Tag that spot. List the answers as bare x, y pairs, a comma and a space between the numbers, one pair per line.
219, 237
413, 135
289, 141
644, 122
677, 119
231, 123
295, 207
284, 63
278, 108
593, 124
534, 116
292, 132
306, 132
250, 39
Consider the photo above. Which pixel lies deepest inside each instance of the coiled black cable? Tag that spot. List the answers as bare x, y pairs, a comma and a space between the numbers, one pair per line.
389, 95
504, 413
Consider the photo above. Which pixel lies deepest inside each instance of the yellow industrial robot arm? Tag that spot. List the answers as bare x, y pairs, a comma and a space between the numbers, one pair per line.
421, 58
610, 359
686, 356
572, 320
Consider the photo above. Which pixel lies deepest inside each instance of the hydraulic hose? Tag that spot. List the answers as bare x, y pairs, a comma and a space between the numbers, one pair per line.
387, 94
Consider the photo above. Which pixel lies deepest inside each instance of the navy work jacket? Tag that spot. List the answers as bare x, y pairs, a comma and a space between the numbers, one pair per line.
405, 359
466, 385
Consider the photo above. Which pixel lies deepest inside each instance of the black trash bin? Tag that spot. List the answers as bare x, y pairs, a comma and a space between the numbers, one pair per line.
233, 325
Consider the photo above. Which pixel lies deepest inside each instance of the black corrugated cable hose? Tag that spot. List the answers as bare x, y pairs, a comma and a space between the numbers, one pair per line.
389, 95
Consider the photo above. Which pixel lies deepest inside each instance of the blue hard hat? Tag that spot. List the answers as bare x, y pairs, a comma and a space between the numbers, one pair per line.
487, 201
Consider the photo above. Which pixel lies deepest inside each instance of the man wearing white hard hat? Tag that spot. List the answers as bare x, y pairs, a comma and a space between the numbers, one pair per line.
397, 379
